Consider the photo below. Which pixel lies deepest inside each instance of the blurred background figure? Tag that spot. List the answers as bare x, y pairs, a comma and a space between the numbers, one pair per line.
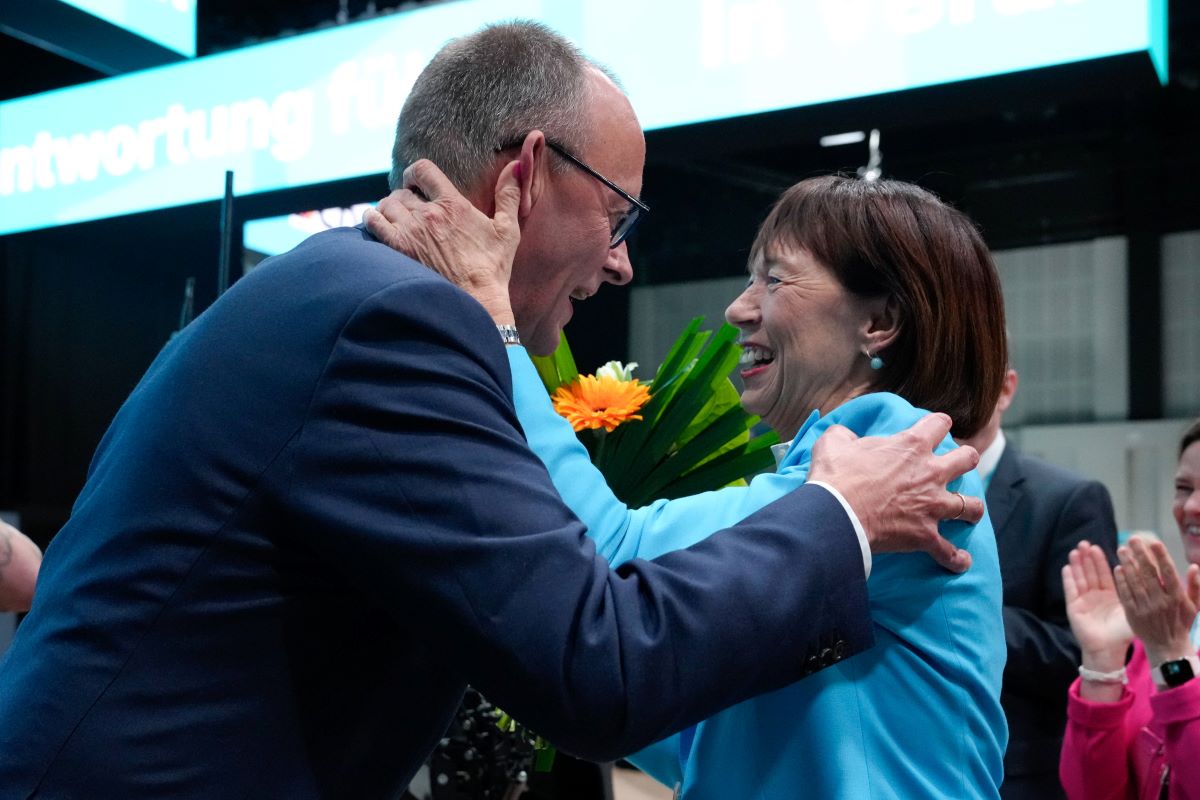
20, 560
1134, 731
1039, 512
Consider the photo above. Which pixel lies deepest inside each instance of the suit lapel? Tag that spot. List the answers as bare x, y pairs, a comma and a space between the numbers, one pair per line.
1005, 489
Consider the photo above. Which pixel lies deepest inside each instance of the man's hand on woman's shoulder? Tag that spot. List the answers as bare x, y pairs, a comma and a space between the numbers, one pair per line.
897, 486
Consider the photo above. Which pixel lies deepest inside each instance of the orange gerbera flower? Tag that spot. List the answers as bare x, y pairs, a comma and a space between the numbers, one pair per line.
605, 401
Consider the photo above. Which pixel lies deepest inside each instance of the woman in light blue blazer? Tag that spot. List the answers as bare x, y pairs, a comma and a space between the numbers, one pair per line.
866, 303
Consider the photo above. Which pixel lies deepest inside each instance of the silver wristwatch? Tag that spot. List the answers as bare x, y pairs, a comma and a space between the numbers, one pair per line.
508, 334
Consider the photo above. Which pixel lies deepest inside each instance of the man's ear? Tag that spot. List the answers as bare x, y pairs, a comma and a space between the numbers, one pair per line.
1008, 390
534, 172
882, 325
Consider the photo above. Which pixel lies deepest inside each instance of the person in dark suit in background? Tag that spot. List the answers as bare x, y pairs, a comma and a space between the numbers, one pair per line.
315, 520
1040, 512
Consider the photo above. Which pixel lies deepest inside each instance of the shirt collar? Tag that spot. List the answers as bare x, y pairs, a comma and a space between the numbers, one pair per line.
783, 448
990, 457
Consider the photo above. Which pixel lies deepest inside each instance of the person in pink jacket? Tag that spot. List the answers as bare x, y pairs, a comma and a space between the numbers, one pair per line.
1133, 730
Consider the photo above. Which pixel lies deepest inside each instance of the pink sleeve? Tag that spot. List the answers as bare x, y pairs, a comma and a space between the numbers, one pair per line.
1094, 764
1178, 710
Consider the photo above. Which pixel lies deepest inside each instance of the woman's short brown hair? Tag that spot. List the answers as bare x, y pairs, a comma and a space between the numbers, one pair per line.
887, 237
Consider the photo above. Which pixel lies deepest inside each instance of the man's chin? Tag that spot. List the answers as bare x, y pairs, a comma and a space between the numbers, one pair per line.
543, 344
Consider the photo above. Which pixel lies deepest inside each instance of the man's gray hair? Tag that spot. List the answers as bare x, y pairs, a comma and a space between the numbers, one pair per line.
488, 90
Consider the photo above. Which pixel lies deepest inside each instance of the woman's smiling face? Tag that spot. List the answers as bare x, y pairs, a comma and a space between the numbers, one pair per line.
803, 336
1186, 505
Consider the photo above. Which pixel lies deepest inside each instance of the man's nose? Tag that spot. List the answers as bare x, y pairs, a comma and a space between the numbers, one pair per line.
618, 269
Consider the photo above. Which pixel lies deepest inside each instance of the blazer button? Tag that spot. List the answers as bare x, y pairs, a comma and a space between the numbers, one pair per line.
827, 657
839, 650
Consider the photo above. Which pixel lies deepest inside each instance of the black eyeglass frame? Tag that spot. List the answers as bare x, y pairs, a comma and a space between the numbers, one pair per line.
628, 221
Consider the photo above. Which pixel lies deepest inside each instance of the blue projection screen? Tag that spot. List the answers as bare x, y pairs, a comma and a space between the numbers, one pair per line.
323, 106
170, 23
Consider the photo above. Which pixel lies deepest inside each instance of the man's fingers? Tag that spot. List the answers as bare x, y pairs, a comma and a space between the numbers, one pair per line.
961, 508
395, 204
931, 430
381, 226
949, 556
956, 463
424, 177
838, 433
391, 204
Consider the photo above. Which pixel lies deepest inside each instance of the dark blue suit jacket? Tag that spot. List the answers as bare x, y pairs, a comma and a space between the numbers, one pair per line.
1040, 512
316, 519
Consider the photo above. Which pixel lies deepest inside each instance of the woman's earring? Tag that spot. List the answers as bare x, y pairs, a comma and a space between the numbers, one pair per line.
876, 361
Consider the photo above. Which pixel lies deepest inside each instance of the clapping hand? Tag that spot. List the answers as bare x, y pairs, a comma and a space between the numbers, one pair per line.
1094, 609
1159, 609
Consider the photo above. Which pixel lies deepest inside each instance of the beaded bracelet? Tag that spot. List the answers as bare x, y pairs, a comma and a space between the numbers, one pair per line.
1117, 676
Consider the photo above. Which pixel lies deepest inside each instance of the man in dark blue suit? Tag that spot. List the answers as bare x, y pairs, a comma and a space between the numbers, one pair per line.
315, 519
1040, 513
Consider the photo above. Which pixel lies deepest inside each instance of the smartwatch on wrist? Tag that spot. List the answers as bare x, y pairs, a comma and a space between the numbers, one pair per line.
1171, 674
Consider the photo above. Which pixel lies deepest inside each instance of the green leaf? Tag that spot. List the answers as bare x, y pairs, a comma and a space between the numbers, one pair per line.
714, 363
543, 759
630, 438
724, 397
730, 430
725, 469
679, 355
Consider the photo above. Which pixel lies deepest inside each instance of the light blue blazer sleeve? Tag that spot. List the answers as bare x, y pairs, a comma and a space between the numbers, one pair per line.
622, 533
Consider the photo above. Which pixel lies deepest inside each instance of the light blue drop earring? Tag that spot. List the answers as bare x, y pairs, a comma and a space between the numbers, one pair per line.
876, 361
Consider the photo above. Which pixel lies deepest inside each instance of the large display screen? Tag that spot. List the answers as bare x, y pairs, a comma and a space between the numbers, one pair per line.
170, 23
323, 106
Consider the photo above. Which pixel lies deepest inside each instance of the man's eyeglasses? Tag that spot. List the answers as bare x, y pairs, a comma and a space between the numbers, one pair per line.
628, 221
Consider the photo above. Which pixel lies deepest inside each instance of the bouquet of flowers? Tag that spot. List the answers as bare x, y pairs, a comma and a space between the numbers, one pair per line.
682, 434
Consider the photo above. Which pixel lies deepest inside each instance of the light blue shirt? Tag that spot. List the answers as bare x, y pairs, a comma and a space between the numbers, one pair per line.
918, 715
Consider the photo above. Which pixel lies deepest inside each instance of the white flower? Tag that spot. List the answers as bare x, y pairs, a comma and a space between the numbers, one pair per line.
617, 371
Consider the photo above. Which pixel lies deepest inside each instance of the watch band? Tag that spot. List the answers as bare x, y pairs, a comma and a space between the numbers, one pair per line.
508, 334
1177, 672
